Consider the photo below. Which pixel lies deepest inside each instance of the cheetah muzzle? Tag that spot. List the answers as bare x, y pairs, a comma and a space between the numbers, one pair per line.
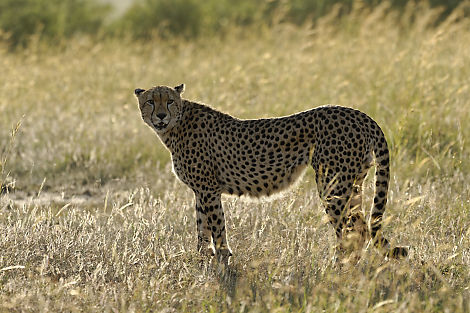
214, 153
159, 126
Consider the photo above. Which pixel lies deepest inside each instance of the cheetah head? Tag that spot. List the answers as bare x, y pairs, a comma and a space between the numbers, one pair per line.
161, 106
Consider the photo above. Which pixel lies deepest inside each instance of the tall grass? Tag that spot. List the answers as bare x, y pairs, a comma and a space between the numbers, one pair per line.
6, 184
113, 230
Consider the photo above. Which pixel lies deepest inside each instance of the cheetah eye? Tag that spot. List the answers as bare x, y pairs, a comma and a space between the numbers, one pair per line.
151, 102
170, 101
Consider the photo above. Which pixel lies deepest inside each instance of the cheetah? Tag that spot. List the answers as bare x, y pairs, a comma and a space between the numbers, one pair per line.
214, 153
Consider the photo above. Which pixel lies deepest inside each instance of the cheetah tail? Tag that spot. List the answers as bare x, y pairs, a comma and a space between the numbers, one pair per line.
382, 177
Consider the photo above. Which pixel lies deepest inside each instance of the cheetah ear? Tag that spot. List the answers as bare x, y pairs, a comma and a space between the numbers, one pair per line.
138, 91
180, 89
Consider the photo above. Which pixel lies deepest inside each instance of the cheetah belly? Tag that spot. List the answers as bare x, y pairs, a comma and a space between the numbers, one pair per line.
258, 184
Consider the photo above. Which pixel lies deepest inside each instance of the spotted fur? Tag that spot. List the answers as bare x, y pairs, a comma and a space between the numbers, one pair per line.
214, 153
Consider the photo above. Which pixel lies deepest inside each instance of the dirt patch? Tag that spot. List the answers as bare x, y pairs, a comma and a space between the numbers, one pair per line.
22, 199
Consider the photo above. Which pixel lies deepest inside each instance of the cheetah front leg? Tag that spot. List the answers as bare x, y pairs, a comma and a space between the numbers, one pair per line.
204, 235
212, 236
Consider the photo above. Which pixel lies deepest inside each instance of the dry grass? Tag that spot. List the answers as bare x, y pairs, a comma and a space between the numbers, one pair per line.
98, 223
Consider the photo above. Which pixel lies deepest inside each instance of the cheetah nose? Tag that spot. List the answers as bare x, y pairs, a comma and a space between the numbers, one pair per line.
161, 115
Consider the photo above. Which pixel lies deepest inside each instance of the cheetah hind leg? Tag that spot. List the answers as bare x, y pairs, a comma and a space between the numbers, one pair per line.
336, 209
356, 231
334, 200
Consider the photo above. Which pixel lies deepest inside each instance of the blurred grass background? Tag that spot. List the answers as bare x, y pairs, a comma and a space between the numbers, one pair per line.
23, 21
93, 217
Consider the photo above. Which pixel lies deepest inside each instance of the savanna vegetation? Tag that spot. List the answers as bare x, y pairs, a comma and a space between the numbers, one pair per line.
91, 218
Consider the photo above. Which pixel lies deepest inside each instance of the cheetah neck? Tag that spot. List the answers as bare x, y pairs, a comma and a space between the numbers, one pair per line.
191, 114
167, 138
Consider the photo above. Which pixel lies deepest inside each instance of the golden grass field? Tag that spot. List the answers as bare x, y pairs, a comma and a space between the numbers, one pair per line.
92, 220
